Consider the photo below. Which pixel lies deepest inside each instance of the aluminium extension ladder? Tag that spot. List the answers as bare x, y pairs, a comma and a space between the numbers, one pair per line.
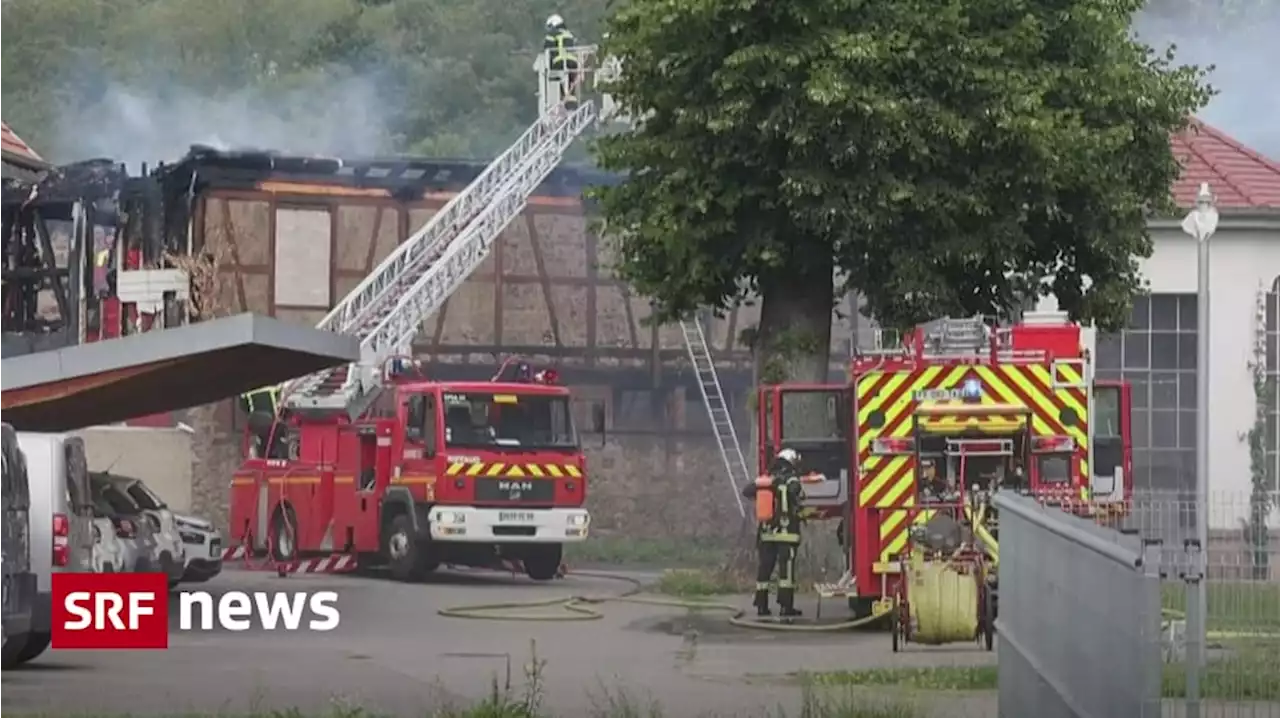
735, 466
387, 309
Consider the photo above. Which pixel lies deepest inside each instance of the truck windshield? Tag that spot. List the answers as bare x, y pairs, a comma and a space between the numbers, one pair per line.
490, 419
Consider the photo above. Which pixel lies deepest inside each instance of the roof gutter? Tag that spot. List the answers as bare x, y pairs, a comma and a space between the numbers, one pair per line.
1252, 218
25, 161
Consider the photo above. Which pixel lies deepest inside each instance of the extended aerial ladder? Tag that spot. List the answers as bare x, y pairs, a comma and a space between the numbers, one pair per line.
387, 308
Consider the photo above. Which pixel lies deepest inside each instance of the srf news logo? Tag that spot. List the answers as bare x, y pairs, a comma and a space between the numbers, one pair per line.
131, 610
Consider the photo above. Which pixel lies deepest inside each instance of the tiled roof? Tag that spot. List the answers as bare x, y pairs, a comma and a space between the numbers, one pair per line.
1239, 177
15, 150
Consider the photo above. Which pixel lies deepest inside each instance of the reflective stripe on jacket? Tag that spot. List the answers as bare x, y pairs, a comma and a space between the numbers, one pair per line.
558, 45
261, 400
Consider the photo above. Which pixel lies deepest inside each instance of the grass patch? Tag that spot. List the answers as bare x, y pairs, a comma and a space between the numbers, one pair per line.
626, 551
692, 583
935, 678
1234, 606
506, 699
1251, 672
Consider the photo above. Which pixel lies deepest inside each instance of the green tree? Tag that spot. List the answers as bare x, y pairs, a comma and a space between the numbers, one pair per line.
940, 156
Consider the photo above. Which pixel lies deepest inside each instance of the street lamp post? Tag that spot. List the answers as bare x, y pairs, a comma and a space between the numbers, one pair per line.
1200, 224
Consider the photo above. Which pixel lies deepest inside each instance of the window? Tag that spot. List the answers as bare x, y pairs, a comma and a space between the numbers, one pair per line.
1272, 409
1106, 412
302, 262
476, 419
112, 501
1053, 468
415, 419
1164, 429
817, 415
429, 425
145, 497
1156, 355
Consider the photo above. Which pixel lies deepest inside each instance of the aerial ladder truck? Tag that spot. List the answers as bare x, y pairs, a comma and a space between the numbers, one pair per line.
406, 482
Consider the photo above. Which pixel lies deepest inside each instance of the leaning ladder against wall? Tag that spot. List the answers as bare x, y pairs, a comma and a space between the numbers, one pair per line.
735, 465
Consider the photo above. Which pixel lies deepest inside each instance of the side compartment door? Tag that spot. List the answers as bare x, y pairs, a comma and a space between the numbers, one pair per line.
766, 426
1111, 455
815, 420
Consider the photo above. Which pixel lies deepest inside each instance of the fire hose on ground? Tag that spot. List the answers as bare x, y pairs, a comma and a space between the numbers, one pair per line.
584, 608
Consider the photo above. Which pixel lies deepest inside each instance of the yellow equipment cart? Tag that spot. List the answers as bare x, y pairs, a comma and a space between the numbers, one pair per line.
944, 599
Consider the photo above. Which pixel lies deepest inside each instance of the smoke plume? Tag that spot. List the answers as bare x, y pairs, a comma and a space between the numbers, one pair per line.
1244, 49
150, 122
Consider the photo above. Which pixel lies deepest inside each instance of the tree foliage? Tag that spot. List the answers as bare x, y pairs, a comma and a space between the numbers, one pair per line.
944, 157
454, 79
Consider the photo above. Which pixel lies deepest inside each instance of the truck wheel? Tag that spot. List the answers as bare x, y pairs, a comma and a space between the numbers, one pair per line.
408, 558
35, 645
542, 563
13, 646
284, 537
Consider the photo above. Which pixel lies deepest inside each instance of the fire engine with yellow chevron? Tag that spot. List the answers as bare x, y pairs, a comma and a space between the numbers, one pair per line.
480, 473
960, 409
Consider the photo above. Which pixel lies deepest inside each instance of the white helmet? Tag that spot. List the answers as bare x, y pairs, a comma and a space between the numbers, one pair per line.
555, 22
791, 456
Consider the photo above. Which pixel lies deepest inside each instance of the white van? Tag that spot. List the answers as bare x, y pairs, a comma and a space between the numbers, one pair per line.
62, 522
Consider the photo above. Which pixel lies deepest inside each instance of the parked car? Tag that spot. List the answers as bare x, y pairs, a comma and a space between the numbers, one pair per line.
65, 529
19, 577
203, 544
131, 526
171, 556
115, 545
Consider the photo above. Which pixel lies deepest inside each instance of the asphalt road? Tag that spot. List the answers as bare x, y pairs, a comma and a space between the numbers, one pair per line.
393, 654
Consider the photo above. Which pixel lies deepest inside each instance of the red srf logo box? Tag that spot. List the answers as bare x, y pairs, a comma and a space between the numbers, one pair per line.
110, 610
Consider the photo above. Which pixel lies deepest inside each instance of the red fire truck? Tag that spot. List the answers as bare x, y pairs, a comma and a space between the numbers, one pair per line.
958, 406
465, 473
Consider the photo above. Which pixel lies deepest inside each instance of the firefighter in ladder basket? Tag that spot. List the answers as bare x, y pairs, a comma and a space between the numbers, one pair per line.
778, 497
260, 405
559, 43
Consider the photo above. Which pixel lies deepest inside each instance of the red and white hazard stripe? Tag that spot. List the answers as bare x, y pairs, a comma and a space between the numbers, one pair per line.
337, 563
235, 553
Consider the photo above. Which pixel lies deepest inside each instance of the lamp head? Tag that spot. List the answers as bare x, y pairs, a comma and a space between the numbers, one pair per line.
1204, 198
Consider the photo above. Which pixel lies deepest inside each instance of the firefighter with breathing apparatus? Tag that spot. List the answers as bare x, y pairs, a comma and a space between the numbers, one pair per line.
778, 497
558, 43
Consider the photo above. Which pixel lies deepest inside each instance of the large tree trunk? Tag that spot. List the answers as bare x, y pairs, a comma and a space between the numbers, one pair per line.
792, 344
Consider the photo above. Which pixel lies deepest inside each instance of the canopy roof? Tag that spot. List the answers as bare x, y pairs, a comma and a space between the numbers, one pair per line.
118, 379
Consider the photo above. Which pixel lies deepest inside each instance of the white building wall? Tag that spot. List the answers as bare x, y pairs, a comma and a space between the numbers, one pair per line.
1244, 261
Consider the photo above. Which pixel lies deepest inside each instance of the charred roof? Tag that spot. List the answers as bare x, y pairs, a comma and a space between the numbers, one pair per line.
403, 177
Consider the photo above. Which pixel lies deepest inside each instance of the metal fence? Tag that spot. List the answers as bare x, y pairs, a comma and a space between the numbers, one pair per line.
1079, 619
1230, 666
1094, 619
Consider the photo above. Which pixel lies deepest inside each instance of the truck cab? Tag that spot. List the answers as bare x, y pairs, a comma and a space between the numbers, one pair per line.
466, 473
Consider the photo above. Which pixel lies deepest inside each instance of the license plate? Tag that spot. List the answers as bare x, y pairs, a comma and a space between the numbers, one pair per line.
215, 549
515, 517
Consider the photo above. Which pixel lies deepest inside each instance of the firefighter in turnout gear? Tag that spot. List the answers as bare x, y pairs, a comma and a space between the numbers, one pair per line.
778, 499
260, 406
559, 43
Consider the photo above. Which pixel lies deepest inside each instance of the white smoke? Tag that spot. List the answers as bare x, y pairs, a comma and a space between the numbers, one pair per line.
1244, 49
135, 123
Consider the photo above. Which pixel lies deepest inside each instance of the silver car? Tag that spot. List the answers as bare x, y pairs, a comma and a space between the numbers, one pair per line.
170, 549
203, 543
130, 525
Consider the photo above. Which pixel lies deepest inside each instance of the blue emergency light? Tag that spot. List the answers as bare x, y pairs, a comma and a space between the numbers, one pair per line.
972, 390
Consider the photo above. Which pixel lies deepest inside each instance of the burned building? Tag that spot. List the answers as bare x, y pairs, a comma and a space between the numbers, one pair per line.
288, 237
